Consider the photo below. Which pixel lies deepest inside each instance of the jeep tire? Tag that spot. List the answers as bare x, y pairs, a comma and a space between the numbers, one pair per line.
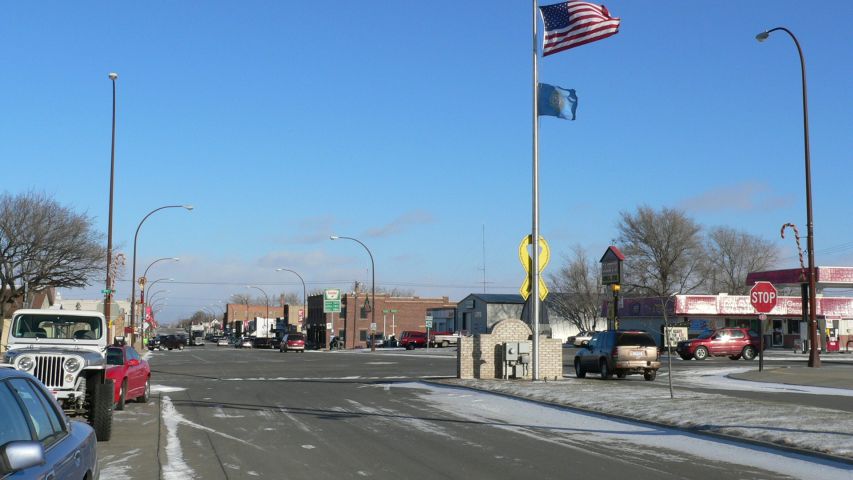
101, 410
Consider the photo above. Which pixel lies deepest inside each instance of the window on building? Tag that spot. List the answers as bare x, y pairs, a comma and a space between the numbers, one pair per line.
793, 326
362, 335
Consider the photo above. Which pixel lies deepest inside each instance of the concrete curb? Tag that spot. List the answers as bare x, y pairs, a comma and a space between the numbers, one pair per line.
693, 430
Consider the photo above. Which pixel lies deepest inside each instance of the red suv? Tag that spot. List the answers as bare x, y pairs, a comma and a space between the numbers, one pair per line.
725, 342
412, 340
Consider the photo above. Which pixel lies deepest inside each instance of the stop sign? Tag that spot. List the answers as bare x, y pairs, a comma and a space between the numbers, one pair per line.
763, 297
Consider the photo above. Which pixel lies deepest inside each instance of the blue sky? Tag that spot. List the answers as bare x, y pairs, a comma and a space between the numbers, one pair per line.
408, 126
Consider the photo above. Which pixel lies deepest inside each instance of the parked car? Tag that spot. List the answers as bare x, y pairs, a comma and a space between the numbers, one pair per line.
292, 341
581, 337
411, 340
444, 339
244, 342
173, 342
263, 342
223, 342
377, 338
65, 350
130, 374
735, 343
153, 343
622, 352
37, 440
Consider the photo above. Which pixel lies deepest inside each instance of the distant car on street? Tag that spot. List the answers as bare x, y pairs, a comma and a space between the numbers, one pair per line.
130, 374
245, 342
294, 342
37, 440
222, 342
622, 352
735, 343
376, 338
411, 339
173, 342
583, 336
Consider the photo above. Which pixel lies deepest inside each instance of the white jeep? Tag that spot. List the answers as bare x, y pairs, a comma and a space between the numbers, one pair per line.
66, 350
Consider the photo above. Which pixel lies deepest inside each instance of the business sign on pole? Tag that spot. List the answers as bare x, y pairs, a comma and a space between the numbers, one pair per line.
332, 300
611, 266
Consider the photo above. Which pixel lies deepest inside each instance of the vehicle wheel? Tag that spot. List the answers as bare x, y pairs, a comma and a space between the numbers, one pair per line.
410, 346
180, 346
621, 374
734, 357
170, 349
101, 410
685, 357
445, 344
701, 353
146, 394
748, 353
122, 395
579, 371
650, 375
605, 370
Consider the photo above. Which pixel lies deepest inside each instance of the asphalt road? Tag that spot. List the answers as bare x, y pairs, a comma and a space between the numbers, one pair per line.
225, 413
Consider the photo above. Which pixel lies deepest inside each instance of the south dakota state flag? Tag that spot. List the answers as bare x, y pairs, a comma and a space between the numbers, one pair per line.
557, 102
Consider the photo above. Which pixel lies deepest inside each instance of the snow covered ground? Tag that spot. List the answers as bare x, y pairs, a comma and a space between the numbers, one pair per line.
577, 429
810, 428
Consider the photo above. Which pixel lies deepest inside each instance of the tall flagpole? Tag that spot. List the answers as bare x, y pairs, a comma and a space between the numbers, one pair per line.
534, 288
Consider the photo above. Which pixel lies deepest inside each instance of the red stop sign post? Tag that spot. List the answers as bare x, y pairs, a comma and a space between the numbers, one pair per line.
763, 297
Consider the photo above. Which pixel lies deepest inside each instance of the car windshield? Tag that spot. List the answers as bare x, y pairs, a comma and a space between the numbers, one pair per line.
635, 339
115, 356
62, 327
295, 338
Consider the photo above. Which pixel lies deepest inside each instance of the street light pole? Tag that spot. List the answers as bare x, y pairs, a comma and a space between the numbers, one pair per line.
265, 296
373, 292
304, 291
143, 300
133, 274
814, 355
109, 292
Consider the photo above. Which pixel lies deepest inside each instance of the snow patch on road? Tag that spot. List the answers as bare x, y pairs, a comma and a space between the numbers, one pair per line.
308, 447
118, 469
165, 389
822, 429
393, 416
220, 413
175, 468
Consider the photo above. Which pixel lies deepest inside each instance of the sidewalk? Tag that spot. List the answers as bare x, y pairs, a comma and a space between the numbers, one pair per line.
822, 432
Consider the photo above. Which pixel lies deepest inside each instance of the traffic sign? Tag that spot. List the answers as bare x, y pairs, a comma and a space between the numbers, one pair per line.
332, 300
428, 321
763, 297
106, 291
527, 260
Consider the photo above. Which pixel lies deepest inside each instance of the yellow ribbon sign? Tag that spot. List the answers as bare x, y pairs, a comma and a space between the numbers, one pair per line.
527, 262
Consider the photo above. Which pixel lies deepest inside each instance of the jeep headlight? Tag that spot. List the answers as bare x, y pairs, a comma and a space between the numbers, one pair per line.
26, 363
72, 364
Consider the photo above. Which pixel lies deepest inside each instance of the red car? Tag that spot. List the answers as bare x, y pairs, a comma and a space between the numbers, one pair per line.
735, 343
411, 340
292, 341
130, 374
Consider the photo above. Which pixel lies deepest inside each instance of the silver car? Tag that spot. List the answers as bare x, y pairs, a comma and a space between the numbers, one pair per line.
37, 440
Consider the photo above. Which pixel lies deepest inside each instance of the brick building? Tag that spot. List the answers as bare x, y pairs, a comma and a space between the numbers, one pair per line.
393, 316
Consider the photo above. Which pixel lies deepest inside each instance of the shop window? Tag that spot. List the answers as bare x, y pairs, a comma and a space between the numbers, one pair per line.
362, 335
793, 326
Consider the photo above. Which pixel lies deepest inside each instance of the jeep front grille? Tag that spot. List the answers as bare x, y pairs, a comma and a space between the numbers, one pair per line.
49, 370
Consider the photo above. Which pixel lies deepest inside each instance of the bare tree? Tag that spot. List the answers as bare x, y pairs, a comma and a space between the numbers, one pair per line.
731, 255
395, 291
578, 291
43, 244
289, 298
240, 298
663, 252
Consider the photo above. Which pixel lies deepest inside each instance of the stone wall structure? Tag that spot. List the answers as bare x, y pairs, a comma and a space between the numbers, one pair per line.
480, 356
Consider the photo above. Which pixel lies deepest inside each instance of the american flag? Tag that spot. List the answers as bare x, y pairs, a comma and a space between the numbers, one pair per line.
571, 24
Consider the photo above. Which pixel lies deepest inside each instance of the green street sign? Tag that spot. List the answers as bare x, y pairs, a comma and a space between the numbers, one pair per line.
331, 306
106, 291
390, 311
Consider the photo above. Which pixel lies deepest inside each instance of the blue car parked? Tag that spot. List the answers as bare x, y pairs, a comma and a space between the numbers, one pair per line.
37, 440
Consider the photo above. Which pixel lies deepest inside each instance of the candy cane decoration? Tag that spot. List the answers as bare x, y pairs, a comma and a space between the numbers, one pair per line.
799, 248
